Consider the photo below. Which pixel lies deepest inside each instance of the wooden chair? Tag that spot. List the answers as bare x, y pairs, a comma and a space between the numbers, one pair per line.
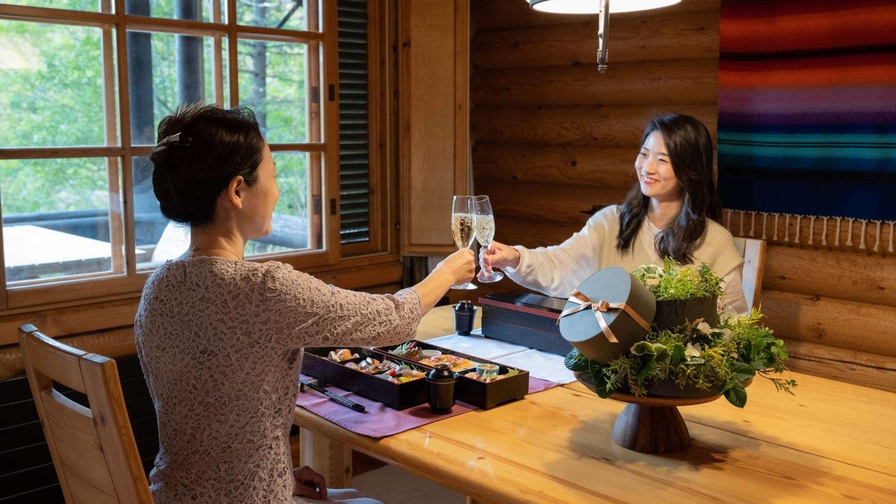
754, 263
93, 449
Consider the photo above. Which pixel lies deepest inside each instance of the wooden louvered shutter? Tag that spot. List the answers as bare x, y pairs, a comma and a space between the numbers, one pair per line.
354, 155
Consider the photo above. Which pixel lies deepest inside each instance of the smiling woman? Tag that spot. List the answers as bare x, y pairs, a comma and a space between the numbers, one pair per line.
669, 212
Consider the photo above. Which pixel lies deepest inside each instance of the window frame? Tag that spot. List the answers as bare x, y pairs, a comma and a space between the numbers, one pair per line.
383, 243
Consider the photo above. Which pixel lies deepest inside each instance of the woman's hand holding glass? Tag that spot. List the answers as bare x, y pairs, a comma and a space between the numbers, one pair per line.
484, 220
499, 255
463, 209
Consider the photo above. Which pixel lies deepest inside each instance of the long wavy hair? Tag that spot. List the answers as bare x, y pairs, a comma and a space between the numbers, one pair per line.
689, 146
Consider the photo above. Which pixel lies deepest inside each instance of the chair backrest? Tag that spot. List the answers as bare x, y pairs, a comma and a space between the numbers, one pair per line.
93, 449
754, 263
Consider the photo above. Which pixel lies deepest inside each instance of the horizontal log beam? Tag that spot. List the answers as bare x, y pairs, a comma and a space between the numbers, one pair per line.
546, 201
620, 126
607, 168
860, 278
843, 365
687, 35
666, 83
842, 324
504, 14
534, 233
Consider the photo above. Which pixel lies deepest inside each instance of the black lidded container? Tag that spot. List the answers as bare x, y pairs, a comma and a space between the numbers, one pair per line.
441, 388
464, 315
524, 319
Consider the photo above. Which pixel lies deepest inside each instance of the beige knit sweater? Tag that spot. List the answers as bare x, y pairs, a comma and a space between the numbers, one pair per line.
558, 270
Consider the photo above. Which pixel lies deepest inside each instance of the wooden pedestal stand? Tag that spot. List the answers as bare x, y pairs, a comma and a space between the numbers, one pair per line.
650, 424
653, 424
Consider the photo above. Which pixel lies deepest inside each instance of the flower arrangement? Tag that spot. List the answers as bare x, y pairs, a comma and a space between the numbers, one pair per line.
697, 358
674, 282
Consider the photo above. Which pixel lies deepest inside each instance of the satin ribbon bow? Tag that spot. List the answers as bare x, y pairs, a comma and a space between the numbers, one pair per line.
599, 308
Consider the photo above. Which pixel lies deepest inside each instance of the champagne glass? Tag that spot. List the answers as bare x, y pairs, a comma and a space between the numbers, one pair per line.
462, 210
484, 221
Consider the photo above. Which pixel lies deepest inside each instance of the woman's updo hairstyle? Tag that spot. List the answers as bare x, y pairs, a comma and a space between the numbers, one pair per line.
200, 149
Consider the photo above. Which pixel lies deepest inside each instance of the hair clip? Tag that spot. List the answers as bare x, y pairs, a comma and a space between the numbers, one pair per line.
174, 140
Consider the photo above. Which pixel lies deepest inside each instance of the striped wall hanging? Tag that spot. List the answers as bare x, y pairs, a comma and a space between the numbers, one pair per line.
807, 113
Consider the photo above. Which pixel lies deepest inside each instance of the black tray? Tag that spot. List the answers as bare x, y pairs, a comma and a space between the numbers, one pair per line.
394, 395
475, 392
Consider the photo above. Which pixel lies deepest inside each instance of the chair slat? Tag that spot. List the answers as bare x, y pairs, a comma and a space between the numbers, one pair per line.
112, 426
83, 492
56, 361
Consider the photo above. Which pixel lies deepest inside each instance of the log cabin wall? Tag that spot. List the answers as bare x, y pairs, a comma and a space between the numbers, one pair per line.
554, 140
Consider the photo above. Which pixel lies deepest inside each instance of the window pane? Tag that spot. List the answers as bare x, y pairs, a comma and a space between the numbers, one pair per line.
272, 82
292, 226
287, 14
194, 10
56, 218
82, 5
166, 70
291, 222
153, 234
52, 91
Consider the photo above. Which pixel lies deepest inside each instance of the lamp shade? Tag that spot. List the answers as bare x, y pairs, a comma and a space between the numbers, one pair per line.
593, 6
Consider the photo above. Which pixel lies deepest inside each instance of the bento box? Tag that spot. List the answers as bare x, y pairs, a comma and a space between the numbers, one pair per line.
316, 363
509, 385
524, 319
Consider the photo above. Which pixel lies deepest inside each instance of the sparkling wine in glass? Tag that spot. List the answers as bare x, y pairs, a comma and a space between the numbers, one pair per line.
484, 220
463, 210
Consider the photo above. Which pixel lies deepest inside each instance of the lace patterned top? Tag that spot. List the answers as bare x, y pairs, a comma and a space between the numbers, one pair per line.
220, 342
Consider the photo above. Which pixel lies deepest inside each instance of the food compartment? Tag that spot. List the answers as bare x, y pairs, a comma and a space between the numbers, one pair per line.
363, 375
509, 384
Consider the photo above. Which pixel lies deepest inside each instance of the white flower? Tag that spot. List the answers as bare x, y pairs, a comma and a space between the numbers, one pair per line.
704, 328
692, 351
727, 335
727, 314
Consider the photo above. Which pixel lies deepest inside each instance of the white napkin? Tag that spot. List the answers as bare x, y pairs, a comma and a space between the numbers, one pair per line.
546, 366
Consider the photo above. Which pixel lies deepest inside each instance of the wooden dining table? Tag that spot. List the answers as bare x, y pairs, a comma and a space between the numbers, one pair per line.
829, 442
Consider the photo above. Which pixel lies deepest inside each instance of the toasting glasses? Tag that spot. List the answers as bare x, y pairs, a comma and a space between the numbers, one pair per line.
484, 221
463, 209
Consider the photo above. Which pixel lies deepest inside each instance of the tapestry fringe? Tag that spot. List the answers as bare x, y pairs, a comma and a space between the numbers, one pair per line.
800, 230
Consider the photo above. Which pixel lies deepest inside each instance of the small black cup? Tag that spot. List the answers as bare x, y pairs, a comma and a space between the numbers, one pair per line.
464, 315
441, 388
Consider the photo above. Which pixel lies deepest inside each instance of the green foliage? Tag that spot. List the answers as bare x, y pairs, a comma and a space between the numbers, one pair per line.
673, 281
695, 356
575, 361
54, 96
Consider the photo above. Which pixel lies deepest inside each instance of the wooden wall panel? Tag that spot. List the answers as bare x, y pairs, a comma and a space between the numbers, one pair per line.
860, 278
662, 82
594, 125
535, 201
838, 323
434, 136
632, 38
605, 168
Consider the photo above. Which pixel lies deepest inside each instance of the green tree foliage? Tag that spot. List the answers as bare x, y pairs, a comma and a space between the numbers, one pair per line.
54, 98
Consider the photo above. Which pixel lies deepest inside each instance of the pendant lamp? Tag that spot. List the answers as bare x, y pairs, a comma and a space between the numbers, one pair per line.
603, 8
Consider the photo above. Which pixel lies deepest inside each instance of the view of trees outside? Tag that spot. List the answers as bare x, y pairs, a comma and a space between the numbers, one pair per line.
52, 96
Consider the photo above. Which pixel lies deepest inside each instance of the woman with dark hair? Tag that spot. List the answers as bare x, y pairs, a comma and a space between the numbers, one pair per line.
220, 339
670, 212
